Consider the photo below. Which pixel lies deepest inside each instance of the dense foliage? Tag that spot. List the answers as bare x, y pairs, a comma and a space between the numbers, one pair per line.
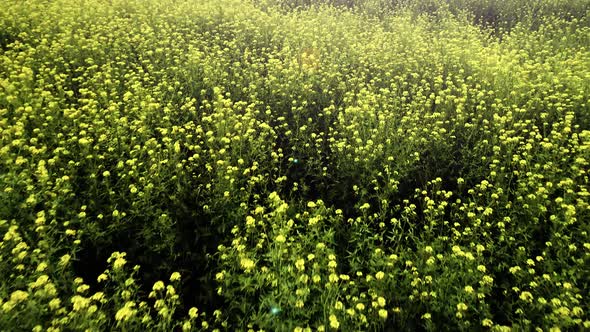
294, 166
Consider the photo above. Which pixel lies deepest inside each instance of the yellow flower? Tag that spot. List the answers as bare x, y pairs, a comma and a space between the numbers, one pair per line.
97, 296
41, 267
563, 311
383, 313
333, 278
80, 302
487, 280
313, 221
526, 296
175, 276
250, 221
170, 290
64, 260
126, 312
247, 263
40, 282
158, 285
577, 311
119, 263
280, 239
334, 322
82, 288
19, 296
379, 275
300, 264
193, 312
381, 301
54, 304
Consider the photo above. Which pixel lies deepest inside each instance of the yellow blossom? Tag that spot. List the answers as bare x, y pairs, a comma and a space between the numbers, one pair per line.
158, 286
54, 304
80, 302
300, 264
526, 296
18, 296
461, 307
64, 260
126, 312
247, 264
334, 322
175, 276
193, 312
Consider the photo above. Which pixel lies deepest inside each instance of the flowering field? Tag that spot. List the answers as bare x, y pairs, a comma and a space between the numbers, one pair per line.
237, 165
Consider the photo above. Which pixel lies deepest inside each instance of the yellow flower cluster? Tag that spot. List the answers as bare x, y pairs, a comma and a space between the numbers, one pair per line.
366, 169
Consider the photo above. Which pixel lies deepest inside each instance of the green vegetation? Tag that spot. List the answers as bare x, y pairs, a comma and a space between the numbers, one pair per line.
179, 165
